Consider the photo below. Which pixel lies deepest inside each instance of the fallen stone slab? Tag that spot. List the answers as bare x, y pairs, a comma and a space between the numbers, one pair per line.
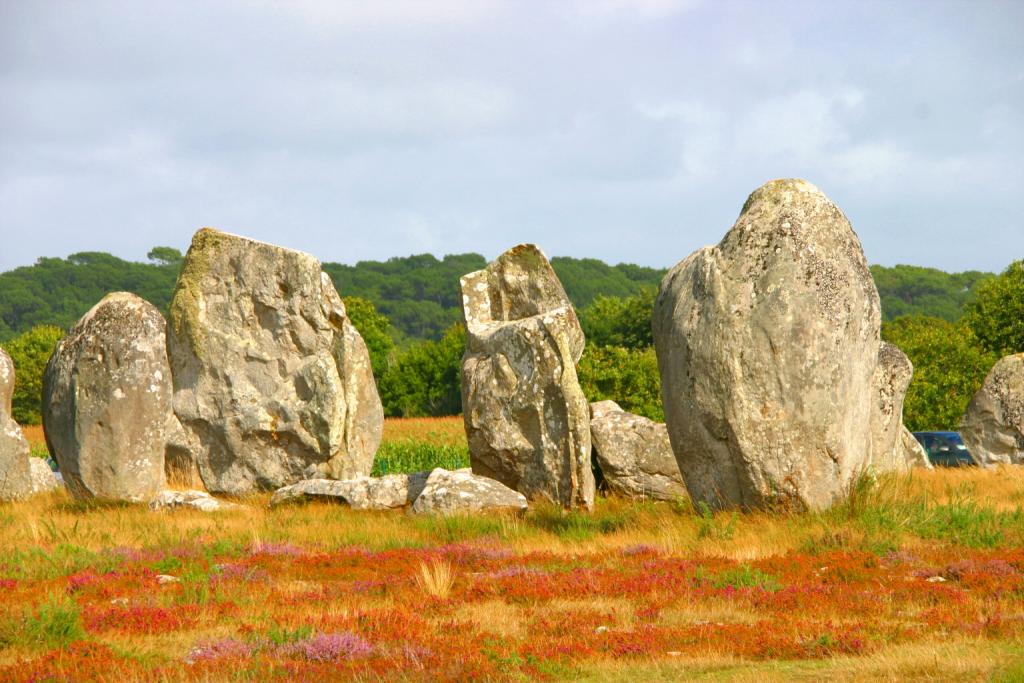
634, 454
361, 493
195, 500
460, 491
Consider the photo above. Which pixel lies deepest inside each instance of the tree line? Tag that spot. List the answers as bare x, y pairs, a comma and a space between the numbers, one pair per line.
953, 326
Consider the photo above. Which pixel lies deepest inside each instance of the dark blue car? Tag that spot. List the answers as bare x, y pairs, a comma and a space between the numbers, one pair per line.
945, 449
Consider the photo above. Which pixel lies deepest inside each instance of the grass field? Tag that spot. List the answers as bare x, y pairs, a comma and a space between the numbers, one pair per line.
913, 578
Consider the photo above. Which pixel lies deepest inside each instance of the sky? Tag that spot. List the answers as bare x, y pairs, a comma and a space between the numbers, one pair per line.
625, 130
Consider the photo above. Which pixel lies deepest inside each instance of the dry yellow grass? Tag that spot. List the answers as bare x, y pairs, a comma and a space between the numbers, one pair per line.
436, 579
34, 434
948, 659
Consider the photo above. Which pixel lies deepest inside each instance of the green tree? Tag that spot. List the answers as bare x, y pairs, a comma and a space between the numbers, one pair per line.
165, 256
30, 353
425, 379
375, 329
615, 321
996, 315
949, 367
627, 376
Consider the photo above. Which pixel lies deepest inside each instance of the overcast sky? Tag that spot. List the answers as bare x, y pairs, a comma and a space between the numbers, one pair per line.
627, 130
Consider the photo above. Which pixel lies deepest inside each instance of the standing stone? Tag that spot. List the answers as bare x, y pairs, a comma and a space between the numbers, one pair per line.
106, 398
993, 426
15, 476
527, 421
272, 381
634, 454
889, 388
766, 346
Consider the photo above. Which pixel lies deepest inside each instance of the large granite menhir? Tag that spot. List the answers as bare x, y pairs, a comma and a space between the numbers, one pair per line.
106, 401
993, 426
272, 382
527, 420
15, 475
766, 346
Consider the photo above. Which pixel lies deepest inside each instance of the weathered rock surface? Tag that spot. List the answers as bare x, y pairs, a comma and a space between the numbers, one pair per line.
272, 381
527, 420
766, 346
15, 477
106, 398
634, 454
462, 491
889, 387
195, 500
43, 478
362, 493
993, 426
913, 451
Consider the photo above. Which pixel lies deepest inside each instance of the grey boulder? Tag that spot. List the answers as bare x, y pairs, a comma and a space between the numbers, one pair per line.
361, 493
889, 388
766, 347
461, 491
15, 475
272, 381
993, 426
526, 418
106, 398
43, 478
634, 454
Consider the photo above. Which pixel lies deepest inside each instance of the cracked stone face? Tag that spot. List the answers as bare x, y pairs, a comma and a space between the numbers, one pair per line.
106, 400
993, 426
766, 346
272, 382
527, 421
15, 475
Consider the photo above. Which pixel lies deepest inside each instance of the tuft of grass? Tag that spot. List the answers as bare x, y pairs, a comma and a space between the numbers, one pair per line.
55, 624
282, 635
436, 579
408, 455
716, 529
741, 576
579, 525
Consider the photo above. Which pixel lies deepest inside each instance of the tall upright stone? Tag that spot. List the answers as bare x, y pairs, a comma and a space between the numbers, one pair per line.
993, 426
889, 451
15, 475
272, 381
766, 346
106, 399
527, 420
